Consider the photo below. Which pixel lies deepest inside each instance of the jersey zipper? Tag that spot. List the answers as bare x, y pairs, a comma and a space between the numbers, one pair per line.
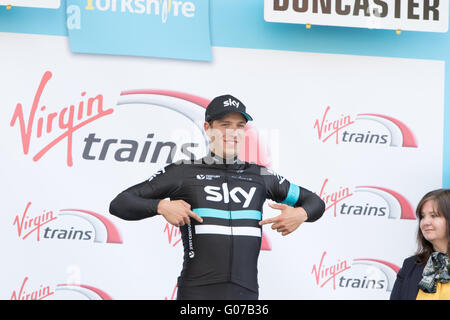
230, 222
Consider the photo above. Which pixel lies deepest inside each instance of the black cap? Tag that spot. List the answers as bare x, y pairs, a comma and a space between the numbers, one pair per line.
223, 105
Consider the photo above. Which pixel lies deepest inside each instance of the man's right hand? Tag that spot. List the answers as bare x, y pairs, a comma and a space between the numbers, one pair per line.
177, 212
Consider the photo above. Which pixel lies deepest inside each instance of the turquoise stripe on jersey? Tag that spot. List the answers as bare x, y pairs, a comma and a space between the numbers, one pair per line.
246, 214
292, 196
224, 214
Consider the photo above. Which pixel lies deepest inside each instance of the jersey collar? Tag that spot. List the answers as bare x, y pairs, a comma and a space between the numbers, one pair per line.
212, 158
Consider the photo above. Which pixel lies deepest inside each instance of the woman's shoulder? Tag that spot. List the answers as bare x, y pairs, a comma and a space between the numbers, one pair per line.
411, 259
411, 262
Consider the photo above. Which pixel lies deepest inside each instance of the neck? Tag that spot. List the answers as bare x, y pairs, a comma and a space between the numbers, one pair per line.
222, 155
440, 246
221, 158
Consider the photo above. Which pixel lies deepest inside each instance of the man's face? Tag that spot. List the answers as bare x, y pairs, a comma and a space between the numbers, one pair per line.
226, 134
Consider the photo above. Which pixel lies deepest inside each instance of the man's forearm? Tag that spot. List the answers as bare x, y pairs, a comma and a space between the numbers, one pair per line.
313, 205
129, 206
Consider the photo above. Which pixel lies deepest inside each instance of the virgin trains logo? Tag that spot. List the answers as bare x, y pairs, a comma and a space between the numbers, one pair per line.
365, 201
42, 131
356, 273
67, 291
43, 126
345, 128
66, 224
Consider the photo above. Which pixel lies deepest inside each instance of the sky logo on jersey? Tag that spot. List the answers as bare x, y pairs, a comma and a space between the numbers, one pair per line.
386, 130
222, 194
375, 274
51, 225
365, 201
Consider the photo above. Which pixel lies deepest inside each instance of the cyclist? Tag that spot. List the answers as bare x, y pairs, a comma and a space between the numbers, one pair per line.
217, 202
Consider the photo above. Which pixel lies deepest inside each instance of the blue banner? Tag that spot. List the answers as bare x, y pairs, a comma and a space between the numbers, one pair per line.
154, 28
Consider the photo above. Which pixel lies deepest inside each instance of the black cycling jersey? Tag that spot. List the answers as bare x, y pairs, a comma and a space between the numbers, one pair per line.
217, 291
229, 197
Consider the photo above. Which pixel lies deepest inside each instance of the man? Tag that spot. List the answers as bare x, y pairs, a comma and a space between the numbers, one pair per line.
217, 203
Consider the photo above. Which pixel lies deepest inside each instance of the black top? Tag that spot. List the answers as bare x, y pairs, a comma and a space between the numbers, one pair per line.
229, 198
408, 278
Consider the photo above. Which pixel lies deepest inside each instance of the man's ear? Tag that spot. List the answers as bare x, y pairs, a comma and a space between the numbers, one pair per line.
208, 129
206, 126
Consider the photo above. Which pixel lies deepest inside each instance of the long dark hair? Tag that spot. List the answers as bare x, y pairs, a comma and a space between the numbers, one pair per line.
441, 198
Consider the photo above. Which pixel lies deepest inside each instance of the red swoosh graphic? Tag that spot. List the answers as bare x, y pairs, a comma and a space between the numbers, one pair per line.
408, 137
407, 209
180, 95
265, 243
113, 234
386, 263
101, 293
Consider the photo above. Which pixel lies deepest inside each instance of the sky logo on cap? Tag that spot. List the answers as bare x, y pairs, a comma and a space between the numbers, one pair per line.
231, 103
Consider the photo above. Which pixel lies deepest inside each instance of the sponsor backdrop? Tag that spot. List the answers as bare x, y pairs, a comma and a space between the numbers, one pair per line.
365, 132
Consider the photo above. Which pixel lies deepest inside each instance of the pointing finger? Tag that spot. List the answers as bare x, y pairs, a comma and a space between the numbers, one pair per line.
195, 216
270, 220
266, 221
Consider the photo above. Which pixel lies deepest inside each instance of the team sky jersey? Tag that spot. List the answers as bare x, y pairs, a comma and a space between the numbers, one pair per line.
229, 198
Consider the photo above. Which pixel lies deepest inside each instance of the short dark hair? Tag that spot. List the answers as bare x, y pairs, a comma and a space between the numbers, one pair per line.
442, 199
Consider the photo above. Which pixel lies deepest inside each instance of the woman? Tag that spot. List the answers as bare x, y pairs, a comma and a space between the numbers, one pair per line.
426, 275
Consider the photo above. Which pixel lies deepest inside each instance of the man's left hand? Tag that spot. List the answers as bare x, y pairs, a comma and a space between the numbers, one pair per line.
289, 219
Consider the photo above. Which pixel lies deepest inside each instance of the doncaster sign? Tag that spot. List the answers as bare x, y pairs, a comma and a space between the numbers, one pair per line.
413, 15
